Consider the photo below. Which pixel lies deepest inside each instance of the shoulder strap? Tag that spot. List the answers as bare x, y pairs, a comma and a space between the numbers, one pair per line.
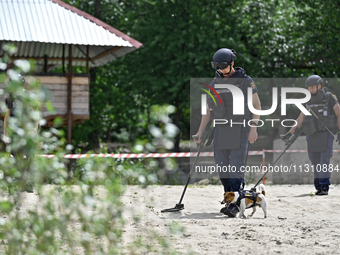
242, 81
240, 197
327, 97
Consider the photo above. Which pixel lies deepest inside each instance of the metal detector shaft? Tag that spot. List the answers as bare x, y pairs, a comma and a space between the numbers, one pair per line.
180, 206
189, 176
200, 146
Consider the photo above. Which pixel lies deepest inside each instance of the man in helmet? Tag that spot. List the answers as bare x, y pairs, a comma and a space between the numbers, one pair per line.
320, 128
11, 103
231, 141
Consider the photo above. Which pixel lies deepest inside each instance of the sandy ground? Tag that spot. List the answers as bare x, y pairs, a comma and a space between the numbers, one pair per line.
297, 222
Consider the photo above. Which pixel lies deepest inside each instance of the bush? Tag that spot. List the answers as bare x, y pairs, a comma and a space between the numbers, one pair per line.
69, 213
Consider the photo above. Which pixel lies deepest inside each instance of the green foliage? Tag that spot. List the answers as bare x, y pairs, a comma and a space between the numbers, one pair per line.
273, 38
69, 213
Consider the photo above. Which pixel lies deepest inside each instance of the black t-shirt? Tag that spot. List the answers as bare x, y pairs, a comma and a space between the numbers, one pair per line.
331, 102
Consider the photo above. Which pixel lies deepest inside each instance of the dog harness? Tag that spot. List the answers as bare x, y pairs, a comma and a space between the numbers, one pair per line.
247, 194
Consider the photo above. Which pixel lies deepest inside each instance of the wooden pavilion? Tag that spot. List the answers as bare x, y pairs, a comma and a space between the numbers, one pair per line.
53, 34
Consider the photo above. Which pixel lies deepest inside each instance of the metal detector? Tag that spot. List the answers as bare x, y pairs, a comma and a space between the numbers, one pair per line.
253, 189
291, 140
208, 133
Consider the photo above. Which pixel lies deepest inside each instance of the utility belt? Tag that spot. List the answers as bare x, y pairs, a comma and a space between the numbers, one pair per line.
311, 125
228, 137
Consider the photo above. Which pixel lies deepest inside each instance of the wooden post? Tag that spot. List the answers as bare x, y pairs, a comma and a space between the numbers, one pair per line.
63, 59
87, 58
263, 165
69, 96
45, 63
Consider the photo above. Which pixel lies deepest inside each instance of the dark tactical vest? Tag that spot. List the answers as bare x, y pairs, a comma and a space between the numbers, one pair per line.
313, 128
228, 137
225, 111
320, 106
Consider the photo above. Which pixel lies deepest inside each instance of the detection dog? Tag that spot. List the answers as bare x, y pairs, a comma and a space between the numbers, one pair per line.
246, 199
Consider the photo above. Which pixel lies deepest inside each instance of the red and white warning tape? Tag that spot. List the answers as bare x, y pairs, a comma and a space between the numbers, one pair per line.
161, 155
293, 151
140, 155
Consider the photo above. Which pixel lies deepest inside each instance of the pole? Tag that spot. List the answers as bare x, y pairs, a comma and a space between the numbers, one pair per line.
87, 58
63, 59
263, 163
45, 63
69, 96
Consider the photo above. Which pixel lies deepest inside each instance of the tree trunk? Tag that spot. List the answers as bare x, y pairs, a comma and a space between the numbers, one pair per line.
98, 9
93, 138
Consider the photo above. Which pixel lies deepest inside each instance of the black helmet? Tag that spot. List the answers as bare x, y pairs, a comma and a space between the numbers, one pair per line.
314, 80
223, 58
21, 79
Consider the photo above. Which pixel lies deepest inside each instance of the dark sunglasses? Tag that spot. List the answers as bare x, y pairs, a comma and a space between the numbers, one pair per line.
220, 66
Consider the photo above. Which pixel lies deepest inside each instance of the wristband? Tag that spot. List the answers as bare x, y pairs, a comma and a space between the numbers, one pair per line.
253, 123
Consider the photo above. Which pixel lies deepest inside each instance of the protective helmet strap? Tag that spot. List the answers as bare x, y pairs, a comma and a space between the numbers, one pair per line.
317, 92
229, 70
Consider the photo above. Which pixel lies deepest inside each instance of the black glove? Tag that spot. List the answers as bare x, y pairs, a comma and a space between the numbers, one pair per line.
285, 137
291, 139
198, 145
219, 74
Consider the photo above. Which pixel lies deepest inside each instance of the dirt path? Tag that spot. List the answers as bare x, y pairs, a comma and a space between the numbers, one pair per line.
297, 222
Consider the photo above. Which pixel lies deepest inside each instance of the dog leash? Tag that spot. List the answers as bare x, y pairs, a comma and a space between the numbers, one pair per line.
254, 188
